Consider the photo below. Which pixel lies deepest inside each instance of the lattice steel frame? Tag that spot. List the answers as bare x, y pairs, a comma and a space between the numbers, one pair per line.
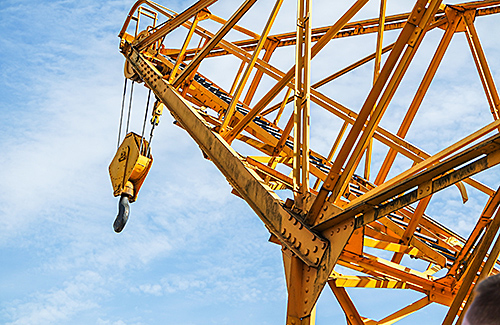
332, 220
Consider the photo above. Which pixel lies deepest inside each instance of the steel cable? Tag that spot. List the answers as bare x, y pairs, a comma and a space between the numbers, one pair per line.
130, 106
121, 114
144, 123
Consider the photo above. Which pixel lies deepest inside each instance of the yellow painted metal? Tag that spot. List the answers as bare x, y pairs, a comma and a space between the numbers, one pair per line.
269, 46
182, 53
302, 102
376, 72
346, 303
213, 41
174, 23
454, 19
486, 271
336, 180
290, 74
236, 96
414, 38
129, 165
383, 136
352, 281
282, 106
333, 149
482, 65
391, 319
235, 27
471, 274
350, 222
412, 226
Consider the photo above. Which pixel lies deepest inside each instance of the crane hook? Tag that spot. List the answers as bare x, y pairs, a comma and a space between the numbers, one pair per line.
123, 213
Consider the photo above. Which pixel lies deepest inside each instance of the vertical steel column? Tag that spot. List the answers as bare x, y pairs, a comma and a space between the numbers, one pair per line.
306, 101
302, 103
320, 44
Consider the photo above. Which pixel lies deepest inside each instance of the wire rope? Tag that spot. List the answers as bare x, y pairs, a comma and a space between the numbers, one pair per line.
144, 123
130, 106
121, 114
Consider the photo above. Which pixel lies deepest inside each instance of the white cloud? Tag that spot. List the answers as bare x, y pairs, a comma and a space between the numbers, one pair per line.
58, 305
108, 322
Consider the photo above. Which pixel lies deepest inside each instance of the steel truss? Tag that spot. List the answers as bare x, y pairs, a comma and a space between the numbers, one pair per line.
335, 217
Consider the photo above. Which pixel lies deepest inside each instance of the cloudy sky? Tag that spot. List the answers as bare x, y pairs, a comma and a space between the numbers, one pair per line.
192, 253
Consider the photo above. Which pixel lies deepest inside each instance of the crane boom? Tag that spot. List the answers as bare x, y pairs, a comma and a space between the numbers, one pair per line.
344, 217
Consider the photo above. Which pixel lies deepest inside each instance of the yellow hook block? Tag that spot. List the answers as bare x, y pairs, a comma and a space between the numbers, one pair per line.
130, 166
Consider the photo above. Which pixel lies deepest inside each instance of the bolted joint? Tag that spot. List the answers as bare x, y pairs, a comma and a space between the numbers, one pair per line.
304, 243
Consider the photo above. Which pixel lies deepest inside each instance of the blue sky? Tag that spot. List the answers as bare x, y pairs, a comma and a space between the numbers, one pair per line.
192, 253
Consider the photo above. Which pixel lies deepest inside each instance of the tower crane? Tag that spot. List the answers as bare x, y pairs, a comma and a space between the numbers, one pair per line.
327, 209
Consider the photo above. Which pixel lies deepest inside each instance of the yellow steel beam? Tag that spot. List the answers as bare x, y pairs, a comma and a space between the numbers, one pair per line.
213, 41
485, 272
269, 46
238, 75
403, 149
236, 96
408, 310
235, 27
317, 255
310, 254
376, 72
356, 28
486, 216
346, 303
249, 185
174, 23
386, 137
413, 42
454, 19
290, 74
431, 160
428, 182
356, 281
333, 149
302, 104
430, 253
336, 180
471, 273
282, 106
482, 65
414, 279
392, 247
305, 283
180, 57
412, 226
